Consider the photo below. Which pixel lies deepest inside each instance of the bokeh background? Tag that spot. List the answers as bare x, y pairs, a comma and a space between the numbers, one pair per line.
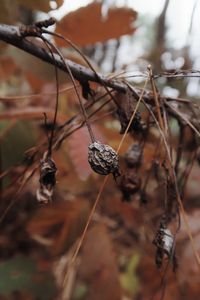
117, 258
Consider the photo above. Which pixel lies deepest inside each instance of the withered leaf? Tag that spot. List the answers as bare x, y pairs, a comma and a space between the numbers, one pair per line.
99, 266
58, 225
86, 25
130, 183
43, 5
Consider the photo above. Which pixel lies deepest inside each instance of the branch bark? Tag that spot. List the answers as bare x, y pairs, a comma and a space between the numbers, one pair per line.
11, 35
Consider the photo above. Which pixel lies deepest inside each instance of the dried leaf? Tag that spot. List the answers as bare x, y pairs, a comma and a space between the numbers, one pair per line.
58, 225
151, 283
87, 25
129, 184
189, 269
99, 266
43, 5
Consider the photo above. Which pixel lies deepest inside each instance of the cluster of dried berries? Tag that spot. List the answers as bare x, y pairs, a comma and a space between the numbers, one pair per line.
103, 159
47, 180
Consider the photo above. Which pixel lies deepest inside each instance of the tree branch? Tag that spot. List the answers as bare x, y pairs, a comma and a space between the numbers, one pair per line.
12, 35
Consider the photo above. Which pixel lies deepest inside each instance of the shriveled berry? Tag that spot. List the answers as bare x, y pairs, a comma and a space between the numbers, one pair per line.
129, 184
47, 180
164, 241
134, 155
103, 159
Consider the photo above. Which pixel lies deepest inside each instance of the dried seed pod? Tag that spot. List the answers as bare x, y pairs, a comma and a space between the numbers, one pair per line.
133, 156
164, 241
124, 120
129, 184
126, 104
103, 159
47, 180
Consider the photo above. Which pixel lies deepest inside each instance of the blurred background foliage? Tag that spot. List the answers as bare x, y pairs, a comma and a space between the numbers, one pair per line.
36, 244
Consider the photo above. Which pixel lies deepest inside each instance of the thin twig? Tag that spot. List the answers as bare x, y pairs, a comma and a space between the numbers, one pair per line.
77, 93
104, 183
182, 210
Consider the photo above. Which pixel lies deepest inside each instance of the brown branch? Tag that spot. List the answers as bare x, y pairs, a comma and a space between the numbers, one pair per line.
12, 35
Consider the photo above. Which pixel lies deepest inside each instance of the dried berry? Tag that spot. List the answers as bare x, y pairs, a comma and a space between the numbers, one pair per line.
124, 119
129, 184
143, 197
164, 241
103, 159
47, 180
126, 106
134, 155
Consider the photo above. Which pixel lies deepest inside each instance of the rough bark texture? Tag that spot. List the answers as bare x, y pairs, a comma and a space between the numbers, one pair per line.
11, 35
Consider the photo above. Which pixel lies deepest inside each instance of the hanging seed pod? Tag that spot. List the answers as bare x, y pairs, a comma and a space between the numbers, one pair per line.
129, 184
126, 104
133, 156
103, 159
164, 241
47, 180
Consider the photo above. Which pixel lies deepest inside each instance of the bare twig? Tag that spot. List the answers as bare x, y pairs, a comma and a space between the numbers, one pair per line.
12, 35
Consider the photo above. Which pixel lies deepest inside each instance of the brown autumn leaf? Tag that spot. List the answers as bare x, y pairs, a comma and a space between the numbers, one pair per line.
43, 5
188, 266
86, 25
58, 225
99, 267
151, 285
